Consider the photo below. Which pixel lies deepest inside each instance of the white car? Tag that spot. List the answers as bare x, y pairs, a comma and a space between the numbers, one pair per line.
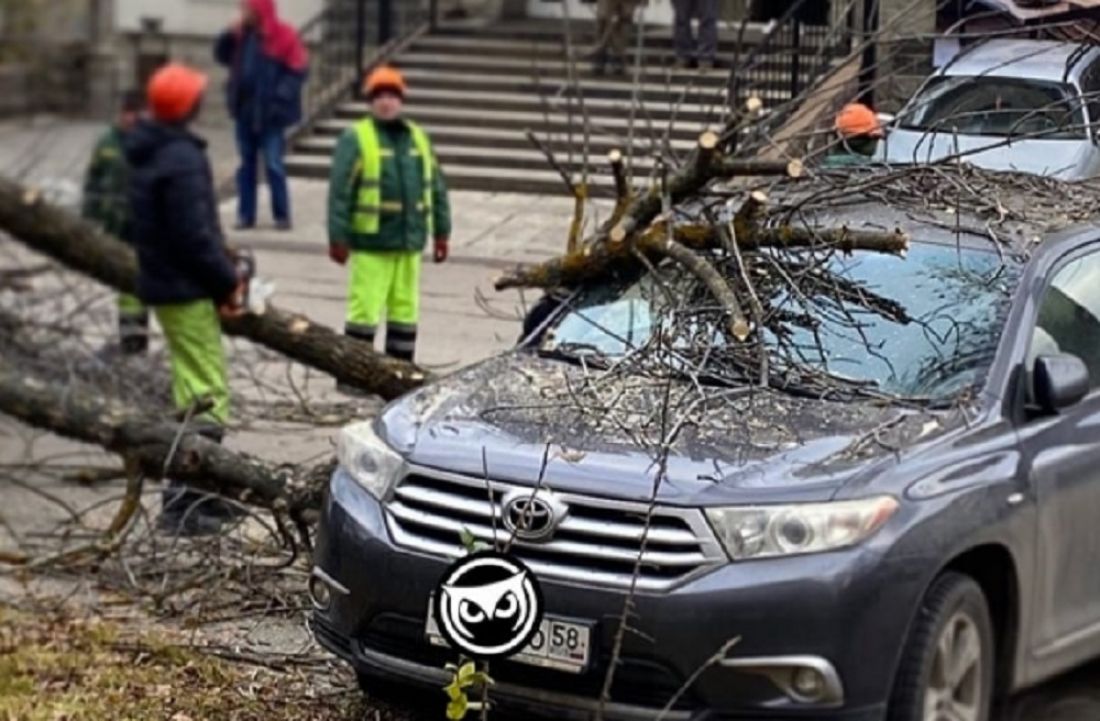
1007, 104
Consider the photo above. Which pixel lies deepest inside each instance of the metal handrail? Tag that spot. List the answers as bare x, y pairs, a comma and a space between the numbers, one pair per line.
345, 38
758, 73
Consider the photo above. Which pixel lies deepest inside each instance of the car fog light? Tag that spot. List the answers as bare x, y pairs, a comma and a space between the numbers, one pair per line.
320, 594
808, 683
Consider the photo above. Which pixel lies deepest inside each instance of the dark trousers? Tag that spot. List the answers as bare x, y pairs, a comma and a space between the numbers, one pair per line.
688, 47
271, 145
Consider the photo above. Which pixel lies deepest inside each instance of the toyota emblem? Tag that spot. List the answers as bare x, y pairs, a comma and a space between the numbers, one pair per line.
532, 516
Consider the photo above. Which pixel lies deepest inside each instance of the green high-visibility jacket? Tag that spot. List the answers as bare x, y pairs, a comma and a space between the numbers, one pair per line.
105, 192
383, 193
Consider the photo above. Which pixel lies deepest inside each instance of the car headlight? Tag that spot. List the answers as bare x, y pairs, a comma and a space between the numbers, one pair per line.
751, 532
368, 458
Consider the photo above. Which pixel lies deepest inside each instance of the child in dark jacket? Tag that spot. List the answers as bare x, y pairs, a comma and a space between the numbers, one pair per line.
186, 274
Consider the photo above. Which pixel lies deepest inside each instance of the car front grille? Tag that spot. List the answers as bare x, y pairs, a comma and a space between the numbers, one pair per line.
596, 543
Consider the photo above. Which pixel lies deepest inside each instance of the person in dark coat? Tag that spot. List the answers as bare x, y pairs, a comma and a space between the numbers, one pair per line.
106, 202
186, 274
267, 64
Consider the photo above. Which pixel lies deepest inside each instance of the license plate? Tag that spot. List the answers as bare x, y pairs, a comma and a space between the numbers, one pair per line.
558, 644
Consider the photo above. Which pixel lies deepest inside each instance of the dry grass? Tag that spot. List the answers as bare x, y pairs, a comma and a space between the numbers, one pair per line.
62, 668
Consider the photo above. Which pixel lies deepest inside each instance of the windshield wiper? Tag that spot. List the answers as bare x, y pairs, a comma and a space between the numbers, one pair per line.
575, 353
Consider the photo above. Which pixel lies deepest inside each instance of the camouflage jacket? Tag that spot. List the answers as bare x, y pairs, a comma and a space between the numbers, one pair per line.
105, 185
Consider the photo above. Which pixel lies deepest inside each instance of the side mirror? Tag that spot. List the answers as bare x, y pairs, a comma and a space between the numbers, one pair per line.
1059, 381
887, 119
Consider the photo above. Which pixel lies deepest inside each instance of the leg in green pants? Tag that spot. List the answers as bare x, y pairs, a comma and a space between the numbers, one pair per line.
385, 284
194, 336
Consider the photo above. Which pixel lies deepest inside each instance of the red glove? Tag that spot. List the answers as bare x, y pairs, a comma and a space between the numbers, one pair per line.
442, 250
338, 254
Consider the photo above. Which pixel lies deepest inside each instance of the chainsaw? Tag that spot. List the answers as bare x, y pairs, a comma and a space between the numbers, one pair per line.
257, 291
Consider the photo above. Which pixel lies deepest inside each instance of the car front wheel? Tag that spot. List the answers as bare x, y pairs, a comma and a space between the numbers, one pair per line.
946, 673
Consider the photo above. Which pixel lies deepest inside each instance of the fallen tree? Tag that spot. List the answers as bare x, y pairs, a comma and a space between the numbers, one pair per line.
151, 445
47, 229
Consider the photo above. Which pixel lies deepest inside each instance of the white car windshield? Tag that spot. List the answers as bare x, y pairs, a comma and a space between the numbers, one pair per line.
999, 107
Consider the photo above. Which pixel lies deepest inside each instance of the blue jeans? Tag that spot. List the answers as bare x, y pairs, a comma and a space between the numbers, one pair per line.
272, 145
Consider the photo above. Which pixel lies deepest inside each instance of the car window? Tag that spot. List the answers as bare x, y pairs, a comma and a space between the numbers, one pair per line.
1069, 316
1090, 86
999, 107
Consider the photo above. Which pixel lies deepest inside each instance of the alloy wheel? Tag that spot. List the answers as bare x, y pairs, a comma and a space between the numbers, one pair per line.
954, 691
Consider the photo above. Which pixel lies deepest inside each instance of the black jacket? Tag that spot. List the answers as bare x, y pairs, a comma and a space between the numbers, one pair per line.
174, 222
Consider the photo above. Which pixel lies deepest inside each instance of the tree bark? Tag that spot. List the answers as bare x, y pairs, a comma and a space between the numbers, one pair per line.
81, 413
597, 262
84, 248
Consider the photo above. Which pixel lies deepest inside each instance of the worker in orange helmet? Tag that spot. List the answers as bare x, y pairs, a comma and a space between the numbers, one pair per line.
387, 199
186, 274
859, 130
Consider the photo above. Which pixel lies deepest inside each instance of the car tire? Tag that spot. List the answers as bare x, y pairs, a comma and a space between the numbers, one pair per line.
938, 667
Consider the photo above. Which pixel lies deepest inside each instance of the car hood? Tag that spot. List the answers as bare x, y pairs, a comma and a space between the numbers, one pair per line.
517, 417
1062, 159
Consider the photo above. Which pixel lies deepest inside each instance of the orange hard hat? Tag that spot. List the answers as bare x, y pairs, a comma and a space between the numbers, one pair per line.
857, 120
174, 91
385, 77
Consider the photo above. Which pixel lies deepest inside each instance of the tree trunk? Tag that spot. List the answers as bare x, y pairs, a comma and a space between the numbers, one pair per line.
81, 413
82, 247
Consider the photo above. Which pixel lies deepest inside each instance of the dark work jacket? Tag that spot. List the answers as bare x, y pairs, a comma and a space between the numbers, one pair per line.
270, 98
174, 222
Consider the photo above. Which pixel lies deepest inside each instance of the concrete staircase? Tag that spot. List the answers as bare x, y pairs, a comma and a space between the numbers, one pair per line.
479, 92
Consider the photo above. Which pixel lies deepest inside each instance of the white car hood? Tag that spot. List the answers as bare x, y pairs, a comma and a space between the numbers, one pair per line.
1062, 159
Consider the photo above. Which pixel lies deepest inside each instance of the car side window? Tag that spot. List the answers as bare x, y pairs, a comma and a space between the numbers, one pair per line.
1090, 86
1069, 316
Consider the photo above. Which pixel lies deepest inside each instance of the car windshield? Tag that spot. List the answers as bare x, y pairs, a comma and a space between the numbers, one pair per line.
956, 300
999, 107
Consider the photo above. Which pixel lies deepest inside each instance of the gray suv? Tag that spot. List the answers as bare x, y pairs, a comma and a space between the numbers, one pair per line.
910, 554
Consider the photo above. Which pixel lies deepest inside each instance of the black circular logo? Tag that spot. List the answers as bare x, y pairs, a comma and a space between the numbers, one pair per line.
488, 605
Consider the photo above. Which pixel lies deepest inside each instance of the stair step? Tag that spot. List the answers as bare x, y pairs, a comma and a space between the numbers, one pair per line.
596, 89
538, 102
584, 27
605, 125
496, 157
657, 49
557, 68
504, 138
546, 182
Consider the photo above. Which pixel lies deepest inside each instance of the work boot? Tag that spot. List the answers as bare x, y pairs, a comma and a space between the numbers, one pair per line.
188, 513
134, 344
683, 64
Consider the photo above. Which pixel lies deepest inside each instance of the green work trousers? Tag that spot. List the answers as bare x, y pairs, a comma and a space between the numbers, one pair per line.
385, 284
193, 333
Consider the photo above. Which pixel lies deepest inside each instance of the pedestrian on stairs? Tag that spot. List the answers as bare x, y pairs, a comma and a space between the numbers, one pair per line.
267, 64
614, 19
387, 197
185, 271
696, 51
106, 202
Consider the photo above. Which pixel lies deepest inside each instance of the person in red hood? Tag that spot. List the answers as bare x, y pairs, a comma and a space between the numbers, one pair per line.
267, 64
